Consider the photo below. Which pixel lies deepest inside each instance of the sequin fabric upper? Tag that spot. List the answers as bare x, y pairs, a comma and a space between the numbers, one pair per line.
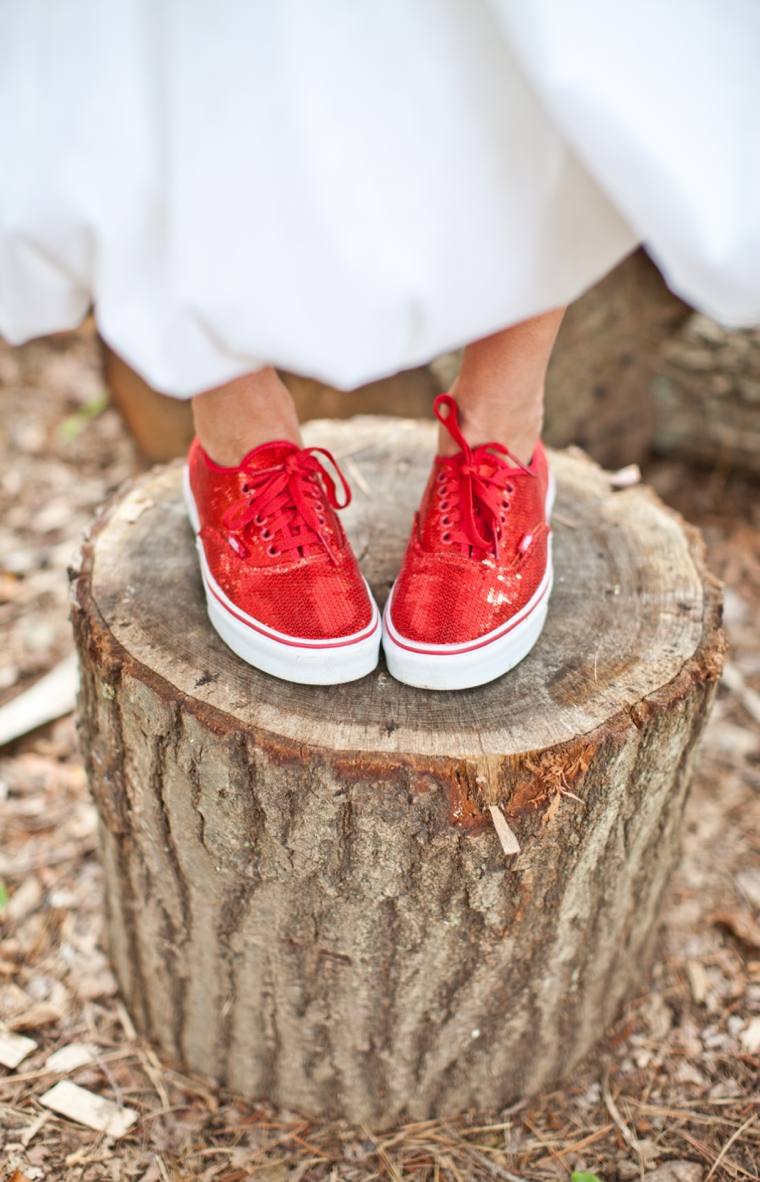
273, 541
478, 549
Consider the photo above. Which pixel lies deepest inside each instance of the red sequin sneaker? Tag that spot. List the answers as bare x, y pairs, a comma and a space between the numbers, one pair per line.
471, 597
282, 585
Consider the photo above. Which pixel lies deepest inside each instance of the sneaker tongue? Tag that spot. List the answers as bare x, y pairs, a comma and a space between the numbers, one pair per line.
268, 455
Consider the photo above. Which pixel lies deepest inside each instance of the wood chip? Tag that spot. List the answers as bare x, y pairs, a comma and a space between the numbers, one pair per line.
626, 477
69, 1058
750, 1036
699, 982
14, 1048
509, 842
51, 697
86, 1108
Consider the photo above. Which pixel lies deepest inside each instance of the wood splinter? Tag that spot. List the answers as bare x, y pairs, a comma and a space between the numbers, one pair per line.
509, 842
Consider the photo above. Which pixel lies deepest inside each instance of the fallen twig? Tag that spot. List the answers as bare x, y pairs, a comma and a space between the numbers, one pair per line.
629, 1137
492, 1167
734, 1136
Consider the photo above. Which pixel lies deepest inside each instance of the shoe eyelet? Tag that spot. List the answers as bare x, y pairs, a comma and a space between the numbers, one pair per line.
319, 506
259, 520
266, 535
246, 488
445, 521
502, 518
444, 505
273, 553
321, 520
446, 537
510, 489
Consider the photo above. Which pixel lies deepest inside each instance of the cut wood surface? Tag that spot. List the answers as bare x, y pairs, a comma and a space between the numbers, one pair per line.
307, 896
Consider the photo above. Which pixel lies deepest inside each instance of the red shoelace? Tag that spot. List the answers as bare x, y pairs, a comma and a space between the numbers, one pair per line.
478, 486
286, 500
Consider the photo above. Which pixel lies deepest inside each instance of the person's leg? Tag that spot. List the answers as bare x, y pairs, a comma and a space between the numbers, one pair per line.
471, 597
499, 392
231, 420
500, 389
283, 588
256, 529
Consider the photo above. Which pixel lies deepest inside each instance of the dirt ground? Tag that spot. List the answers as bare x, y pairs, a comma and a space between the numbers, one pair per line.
671, 1094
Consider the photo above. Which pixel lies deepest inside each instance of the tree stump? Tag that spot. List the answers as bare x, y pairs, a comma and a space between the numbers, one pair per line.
307, 898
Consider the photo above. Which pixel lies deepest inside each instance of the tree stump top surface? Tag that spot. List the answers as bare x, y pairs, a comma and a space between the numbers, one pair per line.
625, 616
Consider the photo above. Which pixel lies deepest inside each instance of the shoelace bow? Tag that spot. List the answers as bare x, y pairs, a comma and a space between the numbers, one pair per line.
286, 499
481, 487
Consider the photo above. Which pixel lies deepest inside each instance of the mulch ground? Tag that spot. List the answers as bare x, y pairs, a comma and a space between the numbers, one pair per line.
671, 1094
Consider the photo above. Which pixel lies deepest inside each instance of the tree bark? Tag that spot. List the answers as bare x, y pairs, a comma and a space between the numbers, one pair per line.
707, 396
307, 898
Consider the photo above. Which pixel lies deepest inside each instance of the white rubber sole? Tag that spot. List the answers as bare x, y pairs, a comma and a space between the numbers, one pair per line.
475, 662
308, 662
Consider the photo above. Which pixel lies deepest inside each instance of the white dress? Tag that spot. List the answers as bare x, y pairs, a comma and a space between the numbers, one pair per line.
348, 187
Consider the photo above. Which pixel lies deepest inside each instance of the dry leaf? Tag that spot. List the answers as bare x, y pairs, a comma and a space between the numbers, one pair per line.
677, 1171
748, 881
25, 900
13, 1000
42, 1013
658, 1016
688, 1073
89, 987
17, 1176
741, 924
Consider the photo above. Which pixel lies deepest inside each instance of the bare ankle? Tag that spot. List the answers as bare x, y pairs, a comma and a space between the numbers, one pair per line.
231, 420
518, 429
500, 390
